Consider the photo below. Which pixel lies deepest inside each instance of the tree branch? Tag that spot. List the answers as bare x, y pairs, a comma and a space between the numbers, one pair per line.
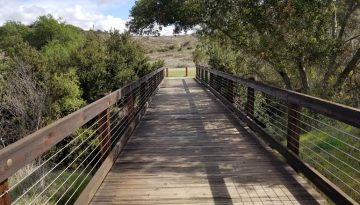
349, 67
352, 38
353, 5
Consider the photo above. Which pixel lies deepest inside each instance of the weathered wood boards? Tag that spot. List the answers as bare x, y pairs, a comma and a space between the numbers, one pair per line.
295, 101
189, 149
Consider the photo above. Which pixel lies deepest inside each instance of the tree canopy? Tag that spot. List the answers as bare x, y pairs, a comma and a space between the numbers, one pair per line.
50, 69
309, 46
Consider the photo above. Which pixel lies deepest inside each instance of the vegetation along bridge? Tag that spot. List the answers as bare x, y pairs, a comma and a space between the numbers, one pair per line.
216, 139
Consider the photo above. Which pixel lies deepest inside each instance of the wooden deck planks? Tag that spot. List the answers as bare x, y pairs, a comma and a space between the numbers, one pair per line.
188, 149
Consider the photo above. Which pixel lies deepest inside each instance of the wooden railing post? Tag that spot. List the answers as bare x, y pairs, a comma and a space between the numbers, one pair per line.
230, 90
146, 90
206, 76
212, 80
151, 85
4, 187
104, 131
221, 85
216, 82
186, 71
142, 96
293, 128
157, 79
167, 72
130, 107
250, 101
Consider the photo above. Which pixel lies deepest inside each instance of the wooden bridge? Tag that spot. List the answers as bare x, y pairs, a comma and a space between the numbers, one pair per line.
186, 141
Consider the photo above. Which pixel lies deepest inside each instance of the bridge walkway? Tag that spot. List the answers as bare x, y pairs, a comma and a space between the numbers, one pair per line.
189, 149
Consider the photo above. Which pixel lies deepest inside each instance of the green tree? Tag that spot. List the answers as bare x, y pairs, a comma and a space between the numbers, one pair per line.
12, 33
308, 44
90, 60
58, 68
47, 29
126, 60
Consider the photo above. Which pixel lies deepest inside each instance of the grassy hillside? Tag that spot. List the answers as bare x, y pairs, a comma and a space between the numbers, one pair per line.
176, 51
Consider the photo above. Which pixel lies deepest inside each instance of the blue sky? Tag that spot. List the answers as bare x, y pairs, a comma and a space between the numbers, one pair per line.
87, 14
122, 11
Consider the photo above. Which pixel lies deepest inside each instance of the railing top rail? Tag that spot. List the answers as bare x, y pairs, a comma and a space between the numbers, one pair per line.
25, 150
337, 111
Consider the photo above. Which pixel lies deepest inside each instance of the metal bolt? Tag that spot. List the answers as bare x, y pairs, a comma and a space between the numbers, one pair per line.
9, 162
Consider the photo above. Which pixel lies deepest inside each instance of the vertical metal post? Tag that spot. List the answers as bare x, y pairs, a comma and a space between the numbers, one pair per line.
212, 80
4, 187
250, 102
104, 131
186, 71
293, 127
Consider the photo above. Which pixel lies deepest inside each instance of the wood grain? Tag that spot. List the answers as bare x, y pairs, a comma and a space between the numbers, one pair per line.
189, 149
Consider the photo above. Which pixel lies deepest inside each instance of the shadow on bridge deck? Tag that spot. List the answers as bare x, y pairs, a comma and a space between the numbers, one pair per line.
189, 149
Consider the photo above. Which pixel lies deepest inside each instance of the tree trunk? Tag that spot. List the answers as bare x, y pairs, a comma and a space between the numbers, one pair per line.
345, 73
303, 75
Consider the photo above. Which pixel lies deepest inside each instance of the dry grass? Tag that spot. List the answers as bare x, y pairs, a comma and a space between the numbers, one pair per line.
176, 51
180, 72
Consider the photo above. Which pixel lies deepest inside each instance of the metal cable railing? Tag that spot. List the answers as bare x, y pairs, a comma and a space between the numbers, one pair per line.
68, 158
318, 138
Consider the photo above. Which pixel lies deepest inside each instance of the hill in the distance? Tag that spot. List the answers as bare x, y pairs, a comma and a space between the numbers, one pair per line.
176, 51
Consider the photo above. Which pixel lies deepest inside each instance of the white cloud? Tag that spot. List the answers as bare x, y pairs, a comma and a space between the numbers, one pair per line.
85, 14
105, 2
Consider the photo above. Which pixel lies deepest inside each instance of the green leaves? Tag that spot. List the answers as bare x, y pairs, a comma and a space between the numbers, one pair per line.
66, 66
65, 93
303, 43
151, 15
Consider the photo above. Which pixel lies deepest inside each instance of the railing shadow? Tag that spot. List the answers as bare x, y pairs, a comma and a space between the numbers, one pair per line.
214, 170
183, 143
